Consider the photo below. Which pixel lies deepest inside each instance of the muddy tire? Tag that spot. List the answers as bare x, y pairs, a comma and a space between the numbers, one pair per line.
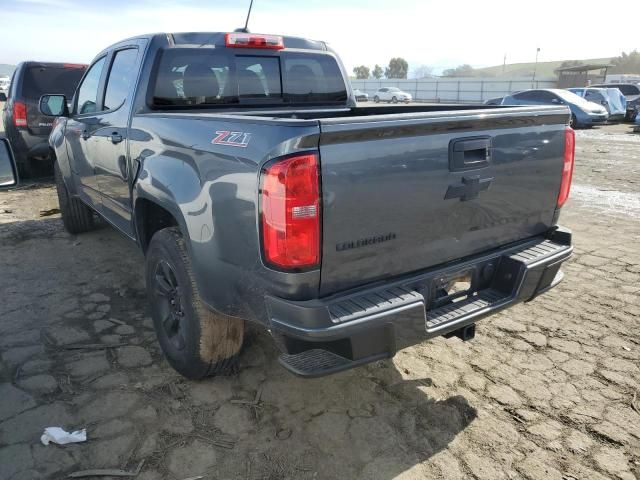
76, 216
196, 341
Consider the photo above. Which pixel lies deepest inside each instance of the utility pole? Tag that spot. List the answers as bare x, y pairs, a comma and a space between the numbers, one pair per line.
504, 64
535, 67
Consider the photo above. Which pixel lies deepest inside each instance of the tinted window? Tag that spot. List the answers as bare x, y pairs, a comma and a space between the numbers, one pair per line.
538, 96
526, 96
88, 91
120, 78
593, 96
55, 80
187, 76
629, 89
625, 88
258, 77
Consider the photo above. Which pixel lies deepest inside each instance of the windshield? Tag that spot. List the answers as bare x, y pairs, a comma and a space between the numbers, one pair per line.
208, 77
572, 98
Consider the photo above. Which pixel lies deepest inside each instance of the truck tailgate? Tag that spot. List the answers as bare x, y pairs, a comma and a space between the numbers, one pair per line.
405, 192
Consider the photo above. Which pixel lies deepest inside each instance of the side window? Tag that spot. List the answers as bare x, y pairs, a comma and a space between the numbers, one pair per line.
594, 96
120, 78
526, 96
88, 91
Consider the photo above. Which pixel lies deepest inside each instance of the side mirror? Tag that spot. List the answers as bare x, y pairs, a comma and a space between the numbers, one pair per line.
3, 97
8, 170
53, 105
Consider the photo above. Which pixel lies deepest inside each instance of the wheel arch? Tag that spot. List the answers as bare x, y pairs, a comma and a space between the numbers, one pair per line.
150, 217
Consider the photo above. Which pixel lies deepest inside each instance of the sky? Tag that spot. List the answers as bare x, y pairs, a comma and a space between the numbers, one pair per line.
441, 34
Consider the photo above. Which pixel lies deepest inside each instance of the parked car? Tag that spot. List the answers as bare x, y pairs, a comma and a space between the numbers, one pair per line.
26, 128
361, 96
631, 92
391, 95
583, 113
611, 99
316, 223
4, 85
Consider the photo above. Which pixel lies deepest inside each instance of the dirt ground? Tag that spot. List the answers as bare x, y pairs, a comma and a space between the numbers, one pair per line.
547, 390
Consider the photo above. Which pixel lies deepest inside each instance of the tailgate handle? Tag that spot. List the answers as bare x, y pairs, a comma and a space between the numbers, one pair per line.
469, 153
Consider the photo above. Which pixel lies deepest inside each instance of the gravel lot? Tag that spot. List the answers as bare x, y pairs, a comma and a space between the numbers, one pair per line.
547, 390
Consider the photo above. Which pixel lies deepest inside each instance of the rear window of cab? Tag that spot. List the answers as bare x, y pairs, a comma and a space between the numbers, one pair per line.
203, 77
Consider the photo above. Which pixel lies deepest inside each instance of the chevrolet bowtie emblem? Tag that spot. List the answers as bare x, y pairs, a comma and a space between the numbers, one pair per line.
470, 188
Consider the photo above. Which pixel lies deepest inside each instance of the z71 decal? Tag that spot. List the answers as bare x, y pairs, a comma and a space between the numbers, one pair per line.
232, 139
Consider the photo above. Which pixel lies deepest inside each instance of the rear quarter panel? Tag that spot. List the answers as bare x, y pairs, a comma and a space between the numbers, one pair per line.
212, 191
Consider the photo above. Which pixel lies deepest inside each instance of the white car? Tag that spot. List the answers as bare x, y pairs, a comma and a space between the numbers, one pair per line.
4, 85
391, 94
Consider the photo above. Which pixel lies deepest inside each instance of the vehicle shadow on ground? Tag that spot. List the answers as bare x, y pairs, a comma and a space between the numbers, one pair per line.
376, 421
373, 422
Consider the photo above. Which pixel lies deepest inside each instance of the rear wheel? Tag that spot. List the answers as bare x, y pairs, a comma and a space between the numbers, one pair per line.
196, 341
376, 99
76, 216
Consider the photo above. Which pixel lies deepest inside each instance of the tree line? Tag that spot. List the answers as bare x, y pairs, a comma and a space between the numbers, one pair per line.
399, 68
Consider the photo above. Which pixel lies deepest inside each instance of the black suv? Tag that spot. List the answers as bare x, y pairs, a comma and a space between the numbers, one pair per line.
25, 127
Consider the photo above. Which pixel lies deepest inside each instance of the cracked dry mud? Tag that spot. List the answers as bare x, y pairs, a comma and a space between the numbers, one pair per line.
545, 390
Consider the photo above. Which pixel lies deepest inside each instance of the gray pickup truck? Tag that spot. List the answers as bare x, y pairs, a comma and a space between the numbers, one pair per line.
242, 168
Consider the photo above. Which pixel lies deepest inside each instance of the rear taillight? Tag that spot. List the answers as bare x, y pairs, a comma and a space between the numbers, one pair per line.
290, 202
19, 114
249, 40
567, 169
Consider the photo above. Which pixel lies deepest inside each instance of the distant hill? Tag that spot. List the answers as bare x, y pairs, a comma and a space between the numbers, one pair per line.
544, 69
6, 69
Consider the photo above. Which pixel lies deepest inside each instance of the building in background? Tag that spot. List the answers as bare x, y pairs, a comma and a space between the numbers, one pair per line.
582, 75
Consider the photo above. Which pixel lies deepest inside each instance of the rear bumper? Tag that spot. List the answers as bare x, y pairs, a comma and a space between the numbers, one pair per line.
595, 119
27, 146
367, 325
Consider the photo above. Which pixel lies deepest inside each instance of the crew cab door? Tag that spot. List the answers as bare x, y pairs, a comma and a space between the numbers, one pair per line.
81, 126
112, 166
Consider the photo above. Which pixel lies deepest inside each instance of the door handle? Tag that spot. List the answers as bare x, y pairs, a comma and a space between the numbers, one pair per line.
116, 137
86, 135
469, 153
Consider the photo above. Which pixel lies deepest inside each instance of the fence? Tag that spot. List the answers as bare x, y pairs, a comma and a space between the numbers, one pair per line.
466, 90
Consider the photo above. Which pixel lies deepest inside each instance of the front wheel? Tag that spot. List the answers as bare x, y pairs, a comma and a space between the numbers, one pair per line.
196, 341
573, 123
376, 99
394, 100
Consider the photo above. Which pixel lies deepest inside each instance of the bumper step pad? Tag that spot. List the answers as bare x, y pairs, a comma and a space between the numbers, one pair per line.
484, 299
317, 362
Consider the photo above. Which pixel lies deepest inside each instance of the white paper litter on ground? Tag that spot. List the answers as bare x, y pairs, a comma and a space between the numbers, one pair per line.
62, 437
